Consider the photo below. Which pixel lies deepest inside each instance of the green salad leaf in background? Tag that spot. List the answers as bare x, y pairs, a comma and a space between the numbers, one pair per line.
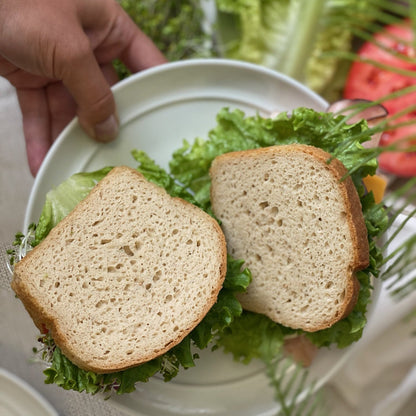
291, 36
175, 26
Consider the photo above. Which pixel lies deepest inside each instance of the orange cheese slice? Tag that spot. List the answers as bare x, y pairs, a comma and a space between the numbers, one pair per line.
377, 185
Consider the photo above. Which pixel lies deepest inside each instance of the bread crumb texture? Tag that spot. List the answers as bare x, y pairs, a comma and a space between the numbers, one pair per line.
285, 212
125, 276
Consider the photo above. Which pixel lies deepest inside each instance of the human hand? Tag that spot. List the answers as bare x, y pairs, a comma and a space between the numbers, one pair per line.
58, 56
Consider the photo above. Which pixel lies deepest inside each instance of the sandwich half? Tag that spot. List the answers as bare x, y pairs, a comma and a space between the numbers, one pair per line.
125, 276
294, 215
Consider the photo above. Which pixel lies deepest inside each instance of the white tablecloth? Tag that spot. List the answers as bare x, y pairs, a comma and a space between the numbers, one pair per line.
378, 380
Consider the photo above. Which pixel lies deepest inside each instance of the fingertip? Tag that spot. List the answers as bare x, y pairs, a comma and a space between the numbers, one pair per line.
36, 126
107, 130
34, 164
104, 131
36, 152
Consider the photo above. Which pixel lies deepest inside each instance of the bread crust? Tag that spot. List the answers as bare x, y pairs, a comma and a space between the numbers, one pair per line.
28, 275
351, 201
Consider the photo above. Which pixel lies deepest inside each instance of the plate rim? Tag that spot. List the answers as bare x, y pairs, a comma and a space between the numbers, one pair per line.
29, 391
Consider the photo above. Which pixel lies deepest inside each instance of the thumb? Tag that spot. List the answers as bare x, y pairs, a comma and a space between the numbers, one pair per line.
84, 79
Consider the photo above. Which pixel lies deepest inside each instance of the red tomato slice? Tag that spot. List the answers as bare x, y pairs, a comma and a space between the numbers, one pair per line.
400, 163
369, 82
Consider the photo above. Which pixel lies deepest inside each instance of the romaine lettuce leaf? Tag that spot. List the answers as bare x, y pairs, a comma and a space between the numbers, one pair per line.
294, 37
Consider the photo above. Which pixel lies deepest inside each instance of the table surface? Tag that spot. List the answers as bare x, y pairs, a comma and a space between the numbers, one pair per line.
377, 380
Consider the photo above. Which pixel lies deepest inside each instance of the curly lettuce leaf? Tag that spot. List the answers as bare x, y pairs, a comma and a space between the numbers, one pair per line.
154, 173
253, 336
227, 308
235, 131
67, 375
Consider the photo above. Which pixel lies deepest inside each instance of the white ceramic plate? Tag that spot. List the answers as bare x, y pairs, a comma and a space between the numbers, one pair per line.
17, 398
159, 108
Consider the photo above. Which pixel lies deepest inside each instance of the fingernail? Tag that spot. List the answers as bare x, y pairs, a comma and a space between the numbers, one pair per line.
107, 130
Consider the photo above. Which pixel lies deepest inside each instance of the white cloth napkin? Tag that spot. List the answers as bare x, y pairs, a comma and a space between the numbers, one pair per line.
378, 380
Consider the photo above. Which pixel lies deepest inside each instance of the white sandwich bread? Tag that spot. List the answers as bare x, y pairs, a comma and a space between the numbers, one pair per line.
125, 276
298, 224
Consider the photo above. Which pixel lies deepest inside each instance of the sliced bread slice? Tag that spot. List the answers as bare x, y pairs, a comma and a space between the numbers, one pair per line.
125, 276
299, 228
